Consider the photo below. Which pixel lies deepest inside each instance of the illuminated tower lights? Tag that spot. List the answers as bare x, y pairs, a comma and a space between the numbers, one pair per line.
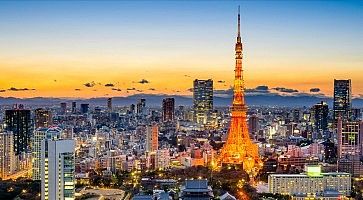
239, 149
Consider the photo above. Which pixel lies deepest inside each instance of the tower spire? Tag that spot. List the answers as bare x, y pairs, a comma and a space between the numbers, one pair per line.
239, 26
239, 22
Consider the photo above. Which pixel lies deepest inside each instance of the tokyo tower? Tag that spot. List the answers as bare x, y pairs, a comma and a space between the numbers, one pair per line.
239, 149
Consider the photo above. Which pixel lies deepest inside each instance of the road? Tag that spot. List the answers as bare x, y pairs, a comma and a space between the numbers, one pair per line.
19, 174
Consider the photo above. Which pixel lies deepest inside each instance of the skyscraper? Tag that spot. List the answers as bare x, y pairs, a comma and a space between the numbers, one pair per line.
84, 108
140, 107
57, 169
43, 118
253, 125
202, 99
63, 108
7, 154
342, 99
41, 134
109, 104
18, 121
168, 109
239, 149
74, 107
152, 140
321, 112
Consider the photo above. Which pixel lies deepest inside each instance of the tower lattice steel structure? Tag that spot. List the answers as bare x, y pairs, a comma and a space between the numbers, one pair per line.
239, 149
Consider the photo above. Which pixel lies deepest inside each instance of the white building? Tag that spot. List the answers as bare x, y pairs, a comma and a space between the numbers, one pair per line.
57, 169
39, 135
7, 154
313, 182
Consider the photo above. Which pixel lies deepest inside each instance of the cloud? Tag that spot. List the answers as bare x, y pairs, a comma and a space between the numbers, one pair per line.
221, 81
186, 75
131, 89
153, 89
143, 81
117, 89
258, 89
90, 84
109, 85
19, 89
223, 93
315, 90
285, 90
2, 90
190, 90
139, 90
77, 89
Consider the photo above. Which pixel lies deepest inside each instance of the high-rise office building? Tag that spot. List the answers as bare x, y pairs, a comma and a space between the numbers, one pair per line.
41, 134
18, 121
7, 154
350, 138
321, 112
43, 118
202, 100
152, 140
63, 108
74, 107
109, 104
253, 126
84, 108
57, 169
296, 115
141, 107
168, 109
132, 108
342, 99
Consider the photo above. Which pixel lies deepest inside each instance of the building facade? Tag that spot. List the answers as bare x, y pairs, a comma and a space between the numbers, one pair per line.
57, 169
152, 141
311, 182
350, 138
321, 113
202, 100
168, 108
43, 118
342, 104
84, 108
18, 121
7, 154
41, 134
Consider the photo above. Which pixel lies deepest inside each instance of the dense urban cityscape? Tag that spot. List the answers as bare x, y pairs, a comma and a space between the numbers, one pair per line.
77, 150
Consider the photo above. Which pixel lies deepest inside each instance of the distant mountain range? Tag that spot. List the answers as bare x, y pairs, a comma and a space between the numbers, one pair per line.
155, 100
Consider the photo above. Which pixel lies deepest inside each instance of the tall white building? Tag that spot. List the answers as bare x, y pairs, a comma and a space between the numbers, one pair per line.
7, 154
313, 182
57, 169
39, 135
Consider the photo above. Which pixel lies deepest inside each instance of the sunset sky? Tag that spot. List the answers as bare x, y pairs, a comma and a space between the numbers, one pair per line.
57, 49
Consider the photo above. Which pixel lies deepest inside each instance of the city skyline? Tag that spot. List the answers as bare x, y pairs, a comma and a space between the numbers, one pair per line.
90, 53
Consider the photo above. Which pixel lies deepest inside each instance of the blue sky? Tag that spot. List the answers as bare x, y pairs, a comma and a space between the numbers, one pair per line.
322, 37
